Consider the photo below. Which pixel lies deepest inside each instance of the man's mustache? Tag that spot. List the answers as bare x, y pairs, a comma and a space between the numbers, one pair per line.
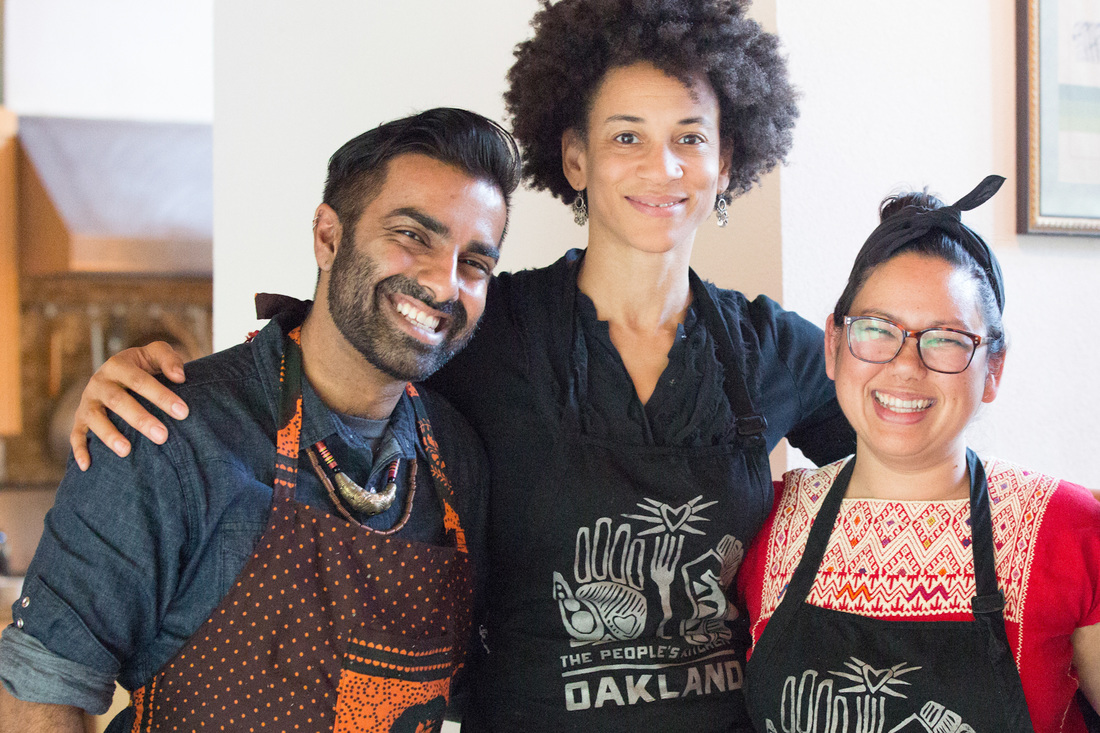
407, 286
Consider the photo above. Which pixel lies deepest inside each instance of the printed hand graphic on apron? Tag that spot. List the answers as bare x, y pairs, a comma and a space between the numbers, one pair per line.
817, 670
611, 571
322, 630
621, 619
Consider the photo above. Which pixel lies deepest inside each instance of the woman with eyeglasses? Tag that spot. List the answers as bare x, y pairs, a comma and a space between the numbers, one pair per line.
915, 586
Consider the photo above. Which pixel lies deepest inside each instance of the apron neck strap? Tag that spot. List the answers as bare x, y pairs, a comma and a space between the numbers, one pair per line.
988, 599
443, 488
986, 604
290, 416
732, 354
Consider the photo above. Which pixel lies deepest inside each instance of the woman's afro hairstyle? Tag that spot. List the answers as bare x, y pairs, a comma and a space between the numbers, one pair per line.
557, 72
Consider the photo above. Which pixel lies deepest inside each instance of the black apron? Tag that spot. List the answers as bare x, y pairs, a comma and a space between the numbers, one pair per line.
817, 670
612, 612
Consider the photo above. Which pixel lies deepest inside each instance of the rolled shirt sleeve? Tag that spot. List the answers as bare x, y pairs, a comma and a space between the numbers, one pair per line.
101, 582
32, 673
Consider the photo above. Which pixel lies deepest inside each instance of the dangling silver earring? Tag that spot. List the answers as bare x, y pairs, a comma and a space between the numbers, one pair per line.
721, 214
580, 209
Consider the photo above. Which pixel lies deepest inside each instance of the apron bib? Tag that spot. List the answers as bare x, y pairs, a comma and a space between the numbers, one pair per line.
330, 625
817, 670
613, 614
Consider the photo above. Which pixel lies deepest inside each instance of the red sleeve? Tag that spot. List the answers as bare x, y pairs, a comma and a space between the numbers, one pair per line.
750, 578
1069, 560
1063, 593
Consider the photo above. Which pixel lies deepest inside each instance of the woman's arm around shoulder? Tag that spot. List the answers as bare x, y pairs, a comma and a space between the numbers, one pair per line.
131, 369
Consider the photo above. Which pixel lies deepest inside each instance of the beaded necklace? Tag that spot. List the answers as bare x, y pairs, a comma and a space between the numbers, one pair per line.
362, 500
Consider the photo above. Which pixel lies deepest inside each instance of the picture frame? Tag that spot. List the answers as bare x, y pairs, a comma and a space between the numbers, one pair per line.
1058, 132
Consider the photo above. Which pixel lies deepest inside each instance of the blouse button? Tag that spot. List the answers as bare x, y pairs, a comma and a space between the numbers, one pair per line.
26, 601
19, 624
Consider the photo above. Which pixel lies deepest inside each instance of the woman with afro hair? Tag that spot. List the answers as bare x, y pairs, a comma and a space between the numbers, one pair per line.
628, 407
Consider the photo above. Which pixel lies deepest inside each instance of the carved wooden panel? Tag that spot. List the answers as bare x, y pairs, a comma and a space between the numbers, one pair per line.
69, 324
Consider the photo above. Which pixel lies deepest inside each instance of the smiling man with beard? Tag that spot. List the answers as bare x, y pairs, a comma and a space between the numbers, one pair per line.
299, 554
360, 293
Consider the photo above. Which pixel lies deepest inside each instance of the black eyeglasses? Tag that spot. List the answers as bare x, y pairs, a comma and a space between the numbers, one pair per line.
879, 341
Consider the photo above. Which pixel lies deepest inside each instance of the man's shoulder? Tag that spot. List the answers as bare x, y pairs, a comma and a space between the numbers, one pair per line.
234, 364
255, 359
227, 396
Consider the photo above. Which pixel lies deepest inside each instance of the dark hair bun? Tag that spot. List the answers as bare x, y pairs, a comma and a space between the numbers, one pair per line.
891, 205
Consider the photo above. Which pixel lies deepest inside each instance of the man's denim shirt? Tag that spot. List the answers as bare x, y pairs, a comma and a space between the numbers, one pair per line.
137, 552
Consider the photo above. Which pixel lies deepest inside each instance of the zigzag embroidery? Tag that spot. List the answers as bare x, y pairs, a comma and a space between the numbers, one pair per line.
899, 559
920, 594
853, 592
895, 597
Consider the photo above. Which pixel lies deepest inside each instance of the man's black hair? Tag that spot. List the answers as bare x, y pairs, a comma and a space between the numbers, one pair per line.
474, 144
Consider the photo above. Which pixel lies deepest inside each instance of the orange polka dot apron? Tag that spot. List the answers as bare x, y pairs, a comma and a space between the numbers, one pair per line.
330, 626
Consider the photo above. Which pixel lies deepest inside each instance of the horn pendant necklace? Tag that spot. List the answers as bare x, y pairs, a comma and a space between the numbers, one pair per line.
362, 500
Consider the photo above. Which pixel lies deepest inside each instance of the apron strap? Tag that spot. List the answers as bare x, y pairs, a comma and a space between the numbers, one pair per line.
290, 417
988, 602
750, 425
566, 345
988, 598
731, 354
290, 431
443, 488
802, 581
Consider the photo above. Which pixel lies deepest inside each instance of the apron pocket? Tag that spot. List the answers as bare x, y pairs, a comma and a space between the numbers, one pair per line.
393, 683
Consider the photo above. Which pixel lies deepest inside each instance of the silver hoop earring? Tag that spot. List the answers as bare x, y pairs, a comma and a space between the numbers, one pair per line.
721, 214
580, 209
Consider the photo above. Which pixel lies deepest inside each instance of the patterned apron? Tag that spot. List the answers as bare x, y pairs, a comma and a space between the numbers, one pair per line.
329, 626
816, 670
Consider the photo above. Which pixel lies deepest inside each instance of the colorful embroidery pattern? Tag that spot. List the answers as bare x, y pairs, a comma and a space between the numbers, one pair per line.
898, 560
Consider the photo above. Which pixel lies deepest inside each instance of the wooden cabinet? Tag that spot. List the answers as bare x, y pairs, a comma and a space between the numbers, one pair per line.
105, 242
11, 419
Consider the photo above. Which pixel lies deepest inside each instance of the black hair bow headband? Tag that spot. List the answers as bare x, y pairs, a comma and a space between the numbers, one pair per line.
912, 223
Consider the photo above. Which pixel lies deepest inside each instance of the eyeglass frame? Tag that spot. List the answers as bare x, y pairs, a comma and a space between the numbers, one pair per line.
905, 333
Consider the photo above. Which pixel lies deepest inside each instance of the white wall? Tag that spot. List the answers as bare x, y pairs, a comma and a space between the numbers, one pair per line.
111, 59
295, 81
908, 94
894, 94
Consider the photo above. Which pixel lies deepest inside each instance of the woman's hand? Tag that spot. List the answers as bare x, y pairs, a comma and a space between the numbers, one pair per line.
106, 391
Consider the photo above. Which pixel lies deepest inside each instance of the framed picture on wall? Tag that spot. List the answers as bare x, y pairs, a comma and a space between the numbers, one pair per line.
1059, 116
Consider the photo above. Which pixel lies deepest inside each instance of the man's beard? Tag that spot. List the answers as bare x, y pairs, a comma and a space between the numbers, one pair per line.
358, 304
